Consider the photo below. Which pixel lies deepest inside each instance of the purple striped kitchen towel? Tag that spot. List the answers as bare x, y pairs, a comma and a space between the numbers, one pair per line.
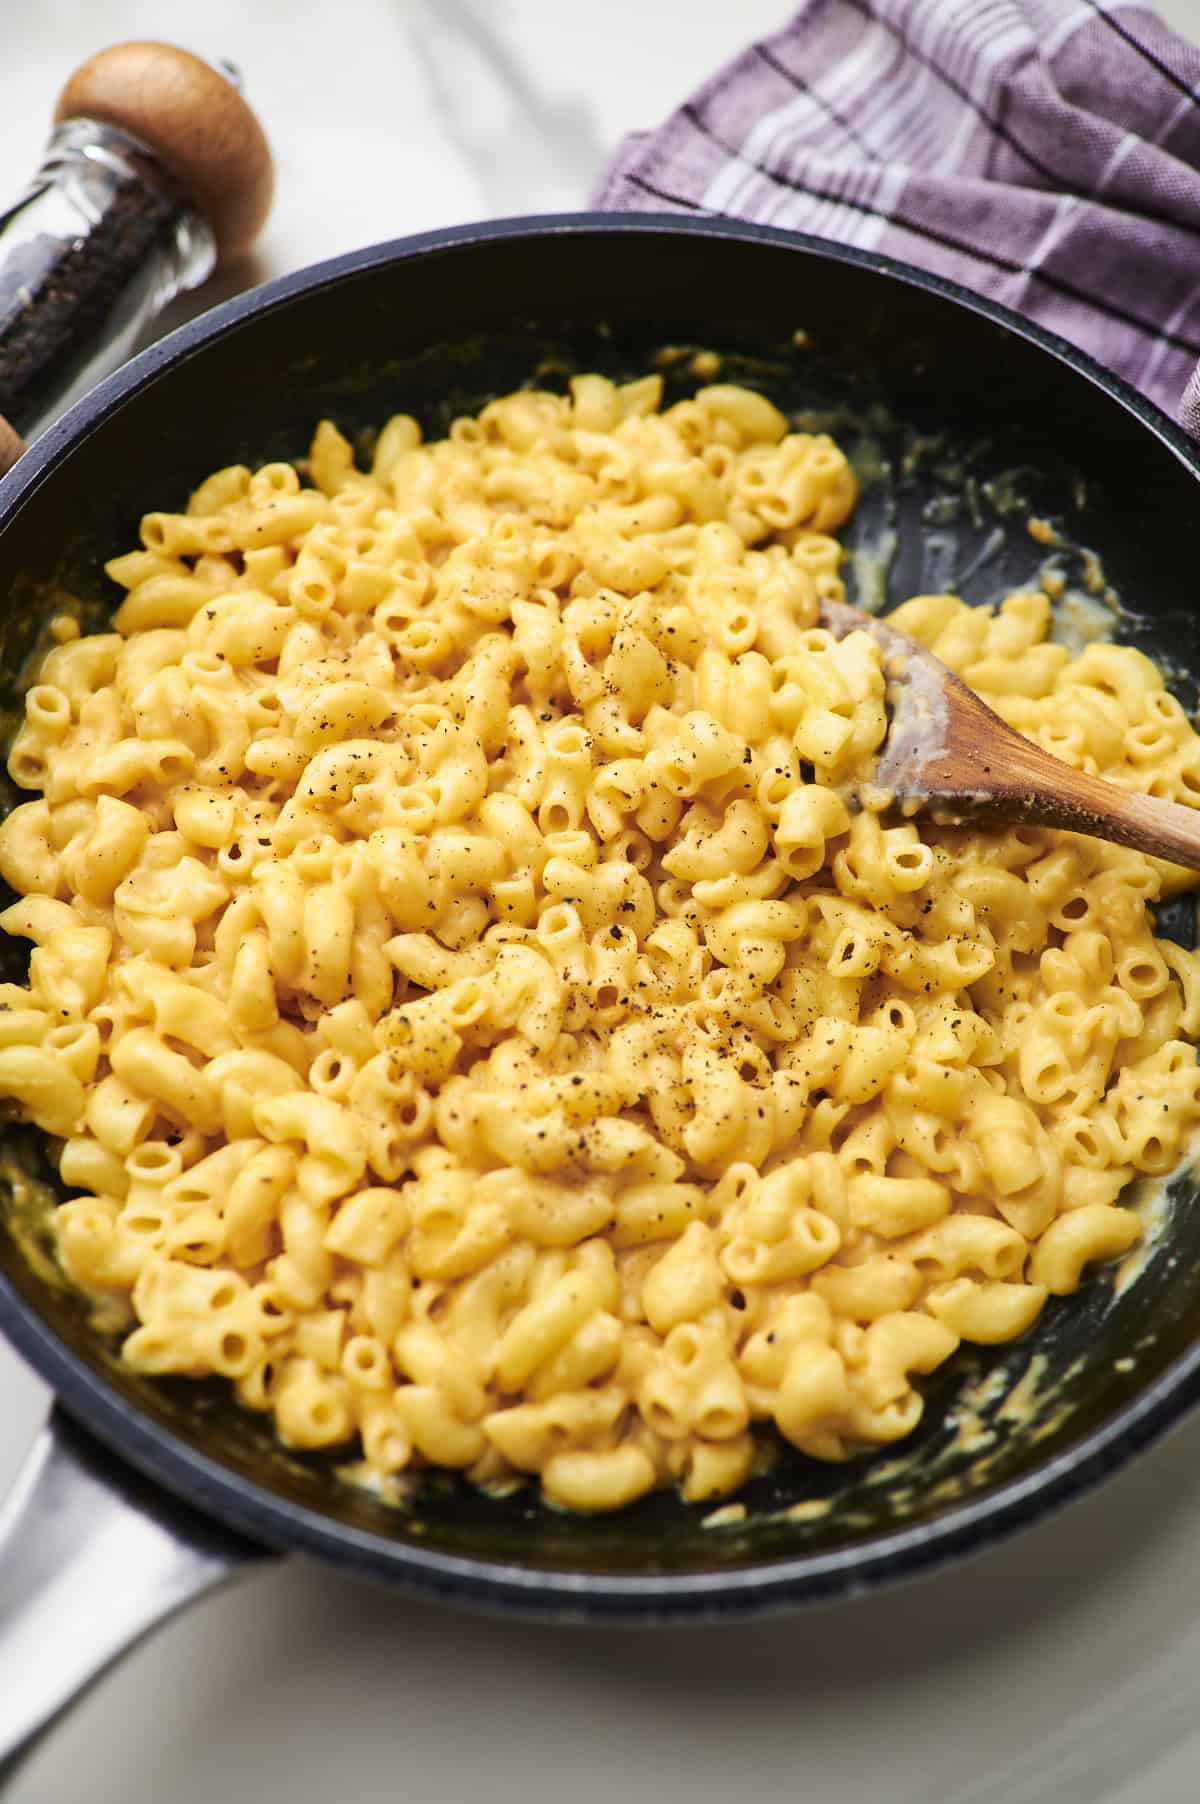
1045, 153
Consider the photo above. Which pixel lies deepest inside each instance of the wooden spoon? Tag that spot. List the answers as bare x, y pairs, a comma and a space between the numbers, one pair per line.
947, 751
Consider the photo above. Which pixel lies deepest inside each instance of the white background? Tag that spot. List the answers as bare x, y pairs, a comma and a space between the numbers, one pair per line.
1063, 1667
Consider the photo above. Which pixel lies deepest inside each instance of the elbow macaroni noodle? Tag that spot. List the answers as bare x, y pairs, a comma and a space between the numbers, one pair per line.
475, 1023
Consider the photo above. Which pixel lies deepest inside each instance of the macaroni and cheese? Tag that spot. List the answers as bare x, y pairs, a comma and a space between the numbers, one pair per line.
477, 1021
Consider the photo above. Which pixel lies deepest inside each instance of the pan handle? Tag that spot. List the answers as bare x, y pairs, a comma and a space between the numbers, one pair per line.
92, 1557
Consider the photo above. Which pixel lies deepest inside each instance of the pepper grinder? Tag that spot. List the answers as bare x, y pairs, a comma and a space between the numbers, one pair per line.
156, 171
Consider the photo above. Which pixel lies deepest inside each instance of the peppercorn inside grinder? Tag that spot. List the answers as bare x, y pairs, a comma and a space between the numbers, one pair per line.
155, 172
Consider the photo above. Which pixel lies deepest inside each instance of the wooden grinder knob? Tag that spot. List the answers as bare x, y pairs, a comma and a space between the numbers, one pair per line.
196, 123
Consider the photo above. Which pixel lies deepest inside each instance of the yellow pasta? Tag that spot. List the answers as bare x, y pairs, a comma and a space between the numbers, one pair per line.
479, 1022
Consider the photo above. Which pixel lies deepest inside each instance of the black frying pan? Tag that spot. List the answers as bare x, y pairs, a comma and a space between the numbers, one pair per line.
964, 420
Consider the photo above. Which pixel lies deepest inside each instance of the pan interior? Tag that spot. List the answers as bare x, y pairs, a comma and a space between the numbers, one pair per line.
961, 431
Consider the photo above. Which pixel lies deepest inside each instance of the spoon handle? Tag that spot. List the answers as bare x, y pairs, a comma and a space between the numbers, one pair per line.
1031, 785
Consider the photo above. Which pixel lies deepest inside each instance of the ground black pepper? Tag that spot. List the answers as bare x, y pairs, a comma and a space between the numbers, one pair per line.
57, 294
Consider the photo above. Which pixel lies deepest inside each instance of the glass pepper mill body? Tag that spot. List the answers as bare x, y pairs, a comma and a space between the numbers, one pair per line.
99, 244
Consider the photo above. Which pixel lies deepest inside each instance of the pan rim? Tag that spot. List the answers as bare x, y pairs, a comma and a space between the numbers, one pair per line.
250, 1508
93, 408
759, 1587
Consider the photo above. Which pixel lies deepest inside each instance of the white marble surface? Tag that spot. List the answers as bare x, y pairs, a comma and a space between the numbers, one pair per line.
1059, 1669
